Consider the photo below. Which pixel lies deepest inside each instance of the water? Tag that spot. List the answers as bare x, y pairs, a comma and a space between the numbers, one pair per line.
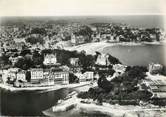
29, 103
138, 55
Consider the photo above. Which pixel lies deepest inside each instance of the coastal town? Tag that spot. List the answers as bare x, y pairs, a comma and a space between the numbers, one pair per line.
37, 55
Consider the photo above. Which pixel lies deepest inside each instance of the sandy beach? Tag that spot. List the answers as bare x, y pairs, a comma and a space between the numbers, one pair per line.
90, 48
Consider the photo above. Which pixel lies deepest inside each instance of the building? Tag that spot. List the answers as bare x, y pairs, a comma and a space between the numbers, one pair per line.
61, 77
102, 59
89, 75
36, 74
74, 61
50, 59
77, 39
21, 75
13, 60
56, 75
80, 76
156, 86
119, 68
73, 39
155, 68
12, 73
46, 73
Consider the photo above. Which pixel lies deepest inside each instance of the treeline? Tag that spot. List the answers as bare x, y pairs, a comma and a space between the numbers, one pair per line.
29, 59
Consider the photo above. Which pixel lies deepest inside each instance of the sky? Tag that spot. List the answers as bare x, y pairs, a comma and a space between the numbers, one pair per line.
80, 7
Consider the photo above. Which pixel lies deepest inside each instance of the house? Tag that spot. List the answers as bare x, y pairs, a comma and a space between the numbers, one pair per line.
46, 73
12, 73
80, 39
46, 78
73, 39
21, 75
119, 68
59, 77
155, 68
156, 86
50, 59
13, 60
89, 75
74, 61
77, 39
102, 59
56, 75
80, 76
36, 74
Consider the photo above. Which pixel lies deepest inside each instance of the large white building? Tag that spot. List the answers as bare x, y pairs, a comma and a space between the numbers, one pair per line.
74, 61
50, 59
36, 73
60, 77
102, 59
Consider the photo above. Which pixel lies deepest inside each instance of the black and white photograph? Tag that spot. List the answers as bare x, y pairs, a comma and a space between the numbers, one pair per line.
83, 58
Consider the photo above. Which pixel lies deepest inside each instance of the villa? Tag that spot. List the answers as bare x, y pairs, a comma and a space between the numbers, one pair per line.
155, 68
50, 59
36, 74
21, 75
74, 61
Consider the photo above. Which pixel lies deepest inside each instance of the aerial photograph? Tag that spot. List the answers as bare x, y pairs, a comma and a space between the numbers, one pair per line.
96, 58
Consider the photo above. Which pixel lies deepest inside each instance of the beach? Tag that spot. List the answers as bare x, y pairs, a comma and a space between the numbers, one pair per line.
91, 48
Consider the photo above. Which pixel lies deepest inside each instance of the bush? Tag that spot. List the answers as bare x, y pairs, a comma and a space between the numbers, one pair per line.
83, 95
38, 31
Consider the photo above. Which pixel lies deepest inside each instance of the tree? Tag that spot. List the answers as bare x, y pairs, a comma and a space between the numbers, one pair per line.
37, 58
24, 52
4, 60
104, 83
113, 60
41, 31
35, 40
24, 63
73, 78
28, 76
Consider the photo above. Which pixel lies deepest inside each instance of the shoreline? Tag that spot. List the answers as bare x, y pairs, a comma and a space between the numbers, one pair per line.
90, 48
75, 105
43, 89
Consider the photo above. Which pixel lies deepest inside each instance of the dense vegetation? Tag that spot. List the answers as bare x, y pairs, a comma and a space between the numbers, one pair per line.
29, 59
122, 89
35, 40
